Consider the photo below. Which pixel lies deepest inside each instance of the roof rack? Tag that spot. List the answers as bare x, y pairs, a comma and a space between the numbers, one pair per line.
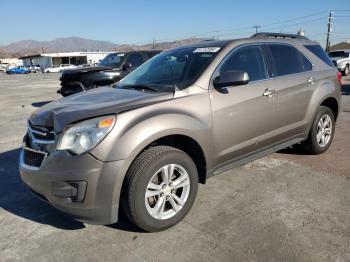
278, 35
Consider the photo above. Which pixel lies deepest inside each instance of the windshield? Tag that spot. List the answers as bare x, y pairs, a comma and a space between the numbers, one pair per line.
339, 54
176, 68
112, 60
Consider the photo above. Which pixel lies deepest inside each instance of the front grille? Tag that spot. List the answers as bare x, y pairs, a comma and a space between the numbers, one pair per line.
33, 158
42, 133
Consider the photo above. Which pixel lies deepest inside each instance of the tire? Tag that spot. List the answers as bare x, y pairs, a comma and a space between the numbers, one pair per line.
147, 167
313, 145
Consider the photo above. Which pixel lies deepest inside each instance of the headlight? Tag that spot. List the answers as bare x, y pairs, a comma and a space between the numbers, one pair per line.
85, 135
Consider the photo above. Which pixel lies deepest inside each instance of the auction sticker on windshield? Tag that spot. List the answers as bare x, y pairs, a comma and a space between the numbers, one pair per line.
206, 50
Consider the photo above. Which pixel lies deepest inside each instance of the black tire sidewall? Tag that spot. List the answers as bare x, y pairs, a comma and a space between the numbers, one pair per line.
141, 216
313, 135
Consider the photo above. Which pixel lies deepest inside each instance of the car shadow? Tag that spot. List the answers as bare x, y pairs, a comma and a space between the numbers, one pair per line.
124, 224
293, 150
346, 90
17, 199
40, 104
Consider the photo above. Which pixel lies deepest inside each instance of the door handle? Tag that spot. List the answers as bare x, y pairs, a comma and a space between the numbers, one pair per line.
311, 80
269, 92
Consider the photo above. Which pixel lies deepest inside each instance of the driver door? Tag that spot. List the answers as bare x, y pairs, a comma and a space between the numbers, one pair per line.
133, 61
243, 115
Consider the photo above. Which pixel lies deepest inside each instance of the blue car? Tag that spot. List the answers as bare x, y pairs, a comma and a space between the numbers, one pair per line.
18, 70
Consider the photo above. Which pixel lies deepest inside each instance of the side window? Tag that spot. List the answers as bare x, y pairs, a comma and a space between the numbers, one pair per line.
248, 59
307, 66
320, 53
135, 59
288, 60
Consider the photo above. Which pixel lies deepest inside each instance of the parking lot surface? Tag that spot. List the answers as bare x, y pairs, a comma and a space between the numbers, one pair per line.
285, 207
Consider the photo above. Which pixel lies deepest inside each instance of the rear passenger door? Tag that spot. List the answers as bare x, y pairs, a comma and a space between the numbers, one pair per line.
291, 73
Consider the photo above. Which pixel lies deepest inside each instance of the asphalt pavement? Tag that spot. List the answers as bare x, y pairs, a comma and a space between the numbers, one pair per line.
284, 207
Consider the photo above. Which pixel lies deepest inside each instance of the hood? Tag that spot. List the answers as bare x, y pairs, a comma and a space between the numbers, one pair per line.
339, 59
81, 70
93, 103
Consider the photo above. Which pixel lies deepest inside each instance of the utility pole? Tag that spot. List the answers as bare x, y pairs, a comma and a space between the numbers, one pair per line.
256, 28
329, 30
154, 44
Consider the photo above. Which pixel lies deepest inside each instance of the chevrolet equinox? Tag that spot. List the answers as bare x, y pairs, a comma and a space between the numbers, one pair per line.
185, 115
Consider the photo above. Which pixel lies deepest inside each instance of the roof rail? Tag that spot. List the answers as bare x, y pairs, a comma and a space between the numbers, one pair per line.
278, 35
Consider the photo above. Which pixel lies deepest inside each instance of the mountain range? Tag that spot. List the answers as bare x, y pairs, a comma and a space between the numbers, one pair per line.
70, 44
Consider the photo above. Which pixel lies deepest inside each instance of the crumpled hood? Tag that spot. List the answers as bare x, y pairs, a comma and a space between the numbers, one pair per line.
82, 70
93, 103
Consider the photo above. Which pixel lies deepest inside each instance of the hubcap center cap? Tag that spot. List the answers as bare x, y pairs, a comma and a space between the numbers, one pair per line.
167, 190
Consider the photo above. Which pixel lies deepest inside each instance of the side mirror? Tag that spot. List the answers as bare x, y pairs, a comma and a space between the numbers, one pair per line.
127, 66
231, 78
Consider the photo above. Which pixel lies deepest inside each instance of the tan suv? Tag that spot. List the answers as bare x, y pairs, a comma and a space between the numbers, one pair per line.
185, 115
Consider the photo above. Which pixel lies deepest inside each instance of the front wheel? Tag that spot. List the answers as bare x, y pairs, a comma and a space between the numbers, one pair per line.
160, 188
321, 133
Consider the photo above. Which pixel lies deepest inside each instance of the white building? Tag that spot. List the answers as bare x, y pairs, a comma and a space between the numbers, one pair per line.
11, 61
55, 59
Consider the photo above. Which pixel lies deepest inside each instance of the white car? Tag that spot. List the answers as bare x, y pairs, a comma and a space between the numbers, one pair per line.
59, 69
341, 59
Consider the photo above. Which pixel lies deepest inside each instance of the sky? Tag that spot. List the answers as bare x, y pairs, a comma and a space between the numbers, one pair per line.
138, 22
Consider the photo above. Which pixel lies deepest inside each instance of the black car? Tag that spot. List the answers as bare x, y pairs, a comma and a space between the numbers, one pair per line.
110, 70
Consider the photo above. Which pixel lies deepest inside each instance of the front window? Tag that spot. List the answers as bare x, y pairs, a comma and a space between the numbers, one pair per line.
172, 69
340, 54
112, 60
248, 59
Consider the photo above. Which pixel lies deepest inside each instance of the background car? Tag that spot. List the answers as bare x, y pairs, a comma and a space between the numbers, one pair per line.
34, 68
110, 70
18, 70
60, 68
341, 60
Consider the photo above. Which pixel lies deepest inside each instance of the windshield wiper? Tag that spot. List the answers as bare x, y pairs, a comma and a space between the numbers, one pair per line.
139, 87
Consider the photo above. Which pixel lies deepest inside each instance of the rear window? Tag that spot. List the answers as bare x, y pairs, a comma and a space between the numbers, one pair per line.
288, 60
320, 53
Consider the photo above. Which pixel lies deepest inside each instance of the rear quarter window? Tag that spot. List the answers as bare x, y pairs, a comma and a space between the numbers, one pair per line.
287, 60
320, 53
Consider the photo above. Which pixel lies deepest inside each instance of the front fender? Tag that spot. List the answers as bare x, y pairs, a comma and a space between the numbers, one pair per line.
127, 141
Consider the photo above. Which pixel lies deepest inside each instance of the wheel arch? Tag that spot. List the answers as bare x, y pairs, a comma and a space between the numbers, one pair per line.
187, 144
331, 103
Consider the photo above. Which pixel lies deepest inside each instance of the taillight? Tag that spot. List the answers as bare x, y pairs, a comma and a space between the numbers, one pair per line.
339, 75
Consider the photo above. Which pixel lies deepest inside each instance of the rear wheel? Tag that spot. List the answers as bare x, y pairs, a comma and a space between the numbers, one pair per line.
160, 188
321, 133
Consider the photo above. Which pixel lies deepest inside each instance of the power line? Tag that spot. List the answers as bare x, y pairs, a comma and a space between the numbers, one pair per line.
301, 20
281, 27
295, 19
263, 25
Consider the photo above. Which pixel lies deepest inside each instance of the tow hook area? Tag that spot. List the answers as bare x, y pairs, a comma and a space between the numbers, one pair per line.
75, 190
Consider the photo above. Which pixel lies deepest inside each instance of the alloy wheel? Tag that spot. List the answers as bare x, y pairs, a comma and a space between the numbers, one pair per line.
324, 130
167, 191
